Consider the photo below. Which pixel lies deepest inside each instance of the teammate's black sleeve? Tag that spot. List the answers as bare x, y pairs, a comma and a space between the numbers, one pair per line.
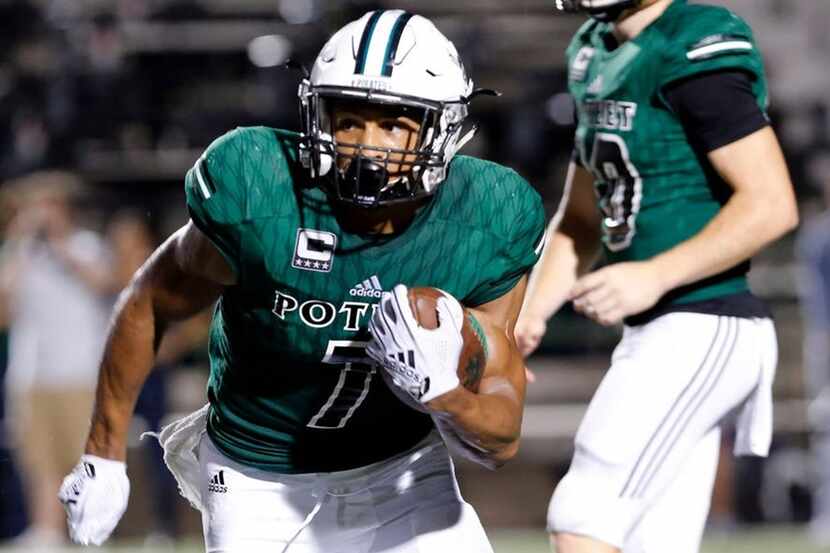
717, 108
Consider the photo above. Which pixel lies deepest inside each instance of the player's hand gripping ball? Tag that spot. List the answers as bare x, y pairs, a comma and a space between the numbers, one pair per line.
424, 305
427, 344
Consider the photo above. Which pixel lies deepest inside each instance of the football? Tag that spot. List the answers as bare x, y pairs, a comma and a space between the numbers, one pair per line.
473, 357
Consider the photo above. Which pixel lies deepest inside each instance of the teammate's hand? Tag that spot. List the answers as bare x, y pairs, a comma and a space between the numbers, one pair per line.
529, 331
614, 292
94, 496
422, 363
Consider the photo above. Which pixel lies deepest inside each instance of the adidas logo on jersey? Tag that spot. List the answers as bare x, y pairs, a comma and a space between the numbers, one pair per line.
217, 483
369, 288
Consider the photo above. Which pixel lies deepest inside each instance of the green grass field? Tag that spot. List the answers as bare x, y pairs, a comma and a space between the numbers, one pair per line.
766, 540
778, 540
762, 541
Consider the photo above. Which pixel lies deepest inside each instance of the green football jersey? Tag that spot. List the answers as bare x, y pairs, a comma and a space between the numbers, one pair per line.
654, 190
291, 389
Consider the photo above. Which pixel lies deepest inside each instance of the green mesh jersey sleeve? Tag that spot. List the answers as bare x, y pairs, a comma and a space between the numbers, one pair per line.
518, 224
705, 39
215, 191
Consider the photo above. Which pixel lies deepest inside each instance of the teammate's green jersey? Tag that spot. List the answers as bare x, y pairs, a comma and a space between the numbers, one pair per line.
654, 190
290, 386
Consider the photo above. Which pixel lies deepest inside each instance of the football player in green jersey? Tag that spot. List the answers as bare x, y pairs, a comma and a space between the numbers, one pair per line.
302, 446
679, 177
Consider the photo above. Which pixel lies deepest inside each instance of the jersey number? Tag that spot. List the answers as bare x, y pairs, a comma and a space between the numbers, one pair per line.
356, 373
619, 188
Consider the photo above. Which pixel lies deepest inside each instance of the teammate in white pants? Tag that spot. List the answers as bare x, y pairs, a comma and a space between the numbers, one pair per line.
678, 175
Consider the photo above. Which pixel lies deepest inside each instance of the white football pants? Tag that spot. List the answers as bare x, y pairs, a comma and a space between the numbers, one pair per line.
408, 504
646, 452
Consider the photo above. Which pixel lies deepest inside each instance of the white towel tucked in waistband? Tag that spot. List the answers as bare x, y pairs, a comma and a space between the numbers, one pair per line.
180, 441
754, 424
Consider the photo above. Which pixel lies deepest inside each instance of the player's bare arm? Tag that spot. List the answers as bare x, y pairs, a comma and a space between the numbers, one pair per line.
182, 277
490, 420
572, 248
761, 209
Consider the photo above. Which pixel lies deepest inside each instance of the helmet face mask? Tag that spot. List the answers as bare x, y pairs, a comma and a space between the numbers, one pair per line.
426, 82
370, 175
602, 10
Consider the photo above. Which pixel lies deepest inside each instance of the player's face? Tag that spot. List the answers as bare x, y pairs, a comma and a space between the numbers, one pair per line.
380, 130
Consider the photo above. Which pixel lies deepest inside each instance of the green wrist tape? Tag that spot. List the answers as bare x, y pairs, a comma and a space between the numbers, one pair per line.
477, 328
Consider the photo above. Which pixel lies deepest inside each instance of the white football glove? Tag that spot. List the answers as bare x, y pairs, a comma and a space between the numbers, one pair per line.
420, 362
94, 496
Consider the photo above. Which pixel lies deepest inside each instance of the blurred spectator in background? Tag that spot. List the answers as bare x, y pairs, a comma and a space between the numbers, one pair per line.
12, 506
813, 252
29, 63
131, 242
58, 278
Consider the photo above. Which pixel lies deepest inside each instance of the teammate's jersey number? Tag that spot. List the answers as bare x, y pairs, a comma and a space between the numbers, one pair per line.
619, 188
356, 373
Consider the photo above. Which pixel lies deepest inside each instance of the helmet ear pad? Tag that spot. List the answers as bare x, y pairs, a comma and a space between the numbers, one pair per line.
326, 160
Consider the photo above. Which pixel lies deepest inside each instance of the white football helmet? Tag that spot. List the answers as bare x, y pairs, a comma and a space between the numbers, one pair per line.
602, 10
387, 57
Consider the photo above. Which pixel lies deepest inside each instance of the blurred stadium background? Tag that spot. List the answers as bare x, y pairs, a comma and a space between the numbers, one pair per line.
125, 94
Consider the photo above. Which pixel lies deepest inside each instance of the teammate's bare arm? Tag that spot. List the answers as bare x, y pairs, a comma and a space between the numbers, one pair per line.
182, 277
761, 209
490, 421
572, 248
